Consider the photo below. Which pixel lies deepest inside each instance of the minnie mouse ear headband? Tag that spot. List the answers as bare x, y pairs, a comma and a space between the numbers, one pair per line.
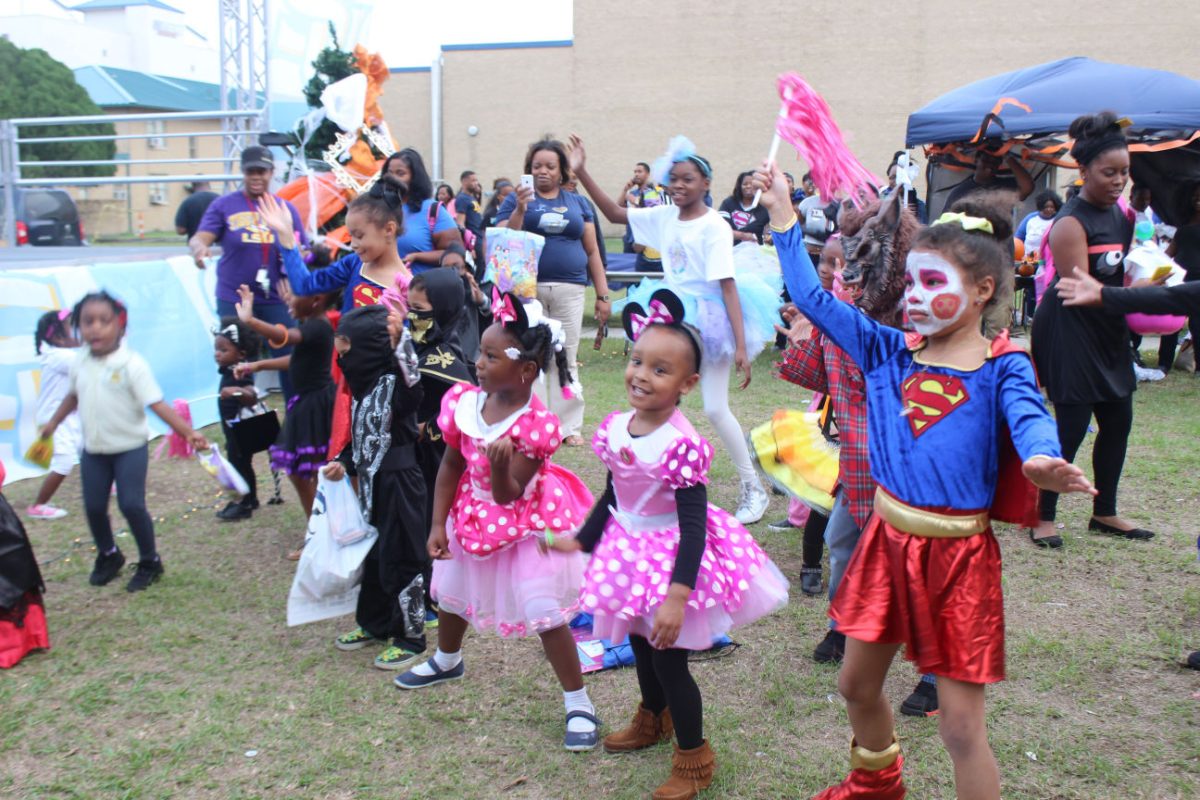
230, 332
678, 149
665, 308
512, 313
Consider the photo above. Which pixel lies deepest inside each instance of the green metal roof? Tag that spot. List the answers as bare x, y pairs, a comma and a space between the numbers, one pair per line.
112, 88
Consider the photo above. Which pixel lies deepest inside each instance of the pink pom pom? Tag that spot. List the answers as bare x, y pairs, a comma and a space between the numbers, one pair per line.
396, 297
178, 446
807, 124
567, 393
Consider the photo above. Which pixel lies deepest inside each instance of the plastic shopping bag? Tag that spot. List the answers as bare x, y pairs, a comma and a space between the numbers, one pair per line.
216, 465
328, 575
342, 511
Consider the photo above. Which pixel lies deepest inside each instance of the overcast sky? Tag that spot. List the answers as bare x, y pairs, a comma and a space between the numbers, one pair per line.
408, 33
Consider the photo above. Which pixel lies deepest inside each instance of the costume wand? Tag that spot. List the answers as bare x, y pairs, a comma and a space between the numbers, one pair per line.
772, 151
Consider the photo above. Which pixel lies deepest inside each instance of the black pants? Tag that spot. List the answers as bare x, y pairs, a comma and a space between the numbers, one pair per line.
666, 682
97, 473
391, 603
814, 538
242, 462
1168, 343
1114, 419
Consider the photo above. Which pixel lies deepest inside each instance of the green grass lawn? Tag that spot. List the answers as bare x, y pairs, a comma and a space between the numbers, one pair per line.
198, 689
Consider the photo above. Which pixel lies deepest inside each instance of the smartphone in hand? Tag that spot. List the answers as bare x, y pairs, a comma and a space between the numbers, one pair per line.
527, 182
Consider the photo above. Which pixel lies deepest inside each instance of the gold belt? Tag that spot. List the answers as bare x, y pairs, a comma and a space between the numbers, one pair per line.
923, 522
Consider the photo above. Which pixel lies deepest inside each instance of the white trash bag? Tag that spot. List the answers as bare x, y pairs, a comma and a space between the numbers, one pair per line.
328, 574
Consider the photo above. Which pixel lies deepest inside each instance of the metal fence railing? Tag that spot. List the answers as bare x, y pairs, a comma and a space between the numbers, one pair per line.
11, 162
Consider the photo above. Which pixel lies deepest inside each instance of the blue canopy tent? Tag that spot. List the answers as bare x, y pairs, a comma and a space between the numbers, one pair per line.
1028, 112
1044, 100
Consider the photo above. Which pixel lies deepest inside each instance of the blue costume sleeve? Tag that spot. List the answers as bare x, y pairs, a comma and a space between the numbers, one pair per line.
866, 341
1030, 424
1023, 228
305, 282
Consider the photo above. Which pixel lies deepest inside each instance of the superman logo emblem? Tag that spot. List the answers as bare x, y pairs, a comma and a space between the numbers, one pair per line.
366, 295
928, 399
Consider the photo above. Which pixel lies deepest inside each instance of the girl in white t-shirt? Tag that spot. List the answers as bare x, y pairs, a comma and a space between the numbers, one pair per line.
56, 349
111, 386
735, 317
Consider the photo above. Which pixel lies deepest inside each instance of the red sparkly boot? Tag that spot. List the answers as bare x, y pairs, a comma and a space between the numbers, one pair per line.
874, 775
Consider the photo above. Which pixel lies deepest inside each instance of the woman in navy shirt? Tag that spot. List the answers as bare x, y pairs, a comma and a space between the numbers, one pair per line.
570, 256
427, 232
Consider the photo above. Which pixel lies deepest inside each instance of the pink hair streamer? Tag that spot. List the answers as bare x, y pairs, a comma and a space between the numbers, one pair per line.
806, 123
175, 445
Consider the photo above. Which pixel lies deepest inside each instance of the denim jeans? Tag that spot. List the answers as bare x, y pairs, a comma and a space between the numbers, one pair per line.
841, 535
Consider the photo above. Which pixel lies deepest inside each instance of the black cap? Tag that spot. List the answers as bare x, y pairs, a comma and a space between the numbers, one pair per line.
257, 158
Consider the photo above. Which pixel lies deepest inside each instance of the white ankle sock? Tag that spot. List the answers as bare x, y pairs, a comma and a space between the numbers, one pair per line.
578, 701
444, 661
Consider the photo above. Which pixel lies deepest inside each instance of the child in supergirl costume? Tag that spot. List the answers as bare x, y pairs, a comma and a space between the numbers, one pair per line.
667, 569
942, 404
496, 494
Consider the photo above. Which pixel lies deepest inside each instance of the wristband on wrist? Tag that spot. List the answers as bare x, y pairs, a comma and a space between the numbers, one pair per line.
283, 334
786, 227
549, 535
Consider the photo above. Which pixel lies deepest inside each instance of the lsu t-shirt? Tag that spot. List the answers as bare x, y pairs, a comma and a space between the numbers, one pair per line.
696, 253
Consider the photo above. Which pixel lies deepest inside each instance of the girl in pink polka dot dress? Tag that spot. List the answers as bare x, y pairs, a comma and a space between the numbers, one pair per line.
667, 568
496, 495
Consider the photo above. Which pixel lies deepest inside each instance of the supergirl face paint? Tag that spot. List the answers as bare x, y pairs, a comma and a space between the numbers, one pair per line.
934, 296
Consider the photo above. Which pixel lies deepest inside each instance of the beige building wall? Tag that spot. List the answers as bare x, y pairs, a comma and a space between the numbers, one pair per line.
639, 72
115, 209
406, 107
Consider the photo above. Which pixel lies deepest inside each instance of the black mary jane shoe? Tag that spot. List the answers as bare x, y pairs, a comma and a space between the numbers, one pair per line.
1140, 534
1051, 542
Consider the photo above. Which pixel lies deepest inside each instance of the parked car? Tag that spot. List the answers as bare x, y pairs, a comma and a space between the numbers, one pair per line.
46, 217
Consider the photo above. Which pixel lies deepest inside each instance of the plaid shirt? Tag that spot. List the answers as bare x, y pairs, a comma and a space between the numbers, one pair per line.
822, 366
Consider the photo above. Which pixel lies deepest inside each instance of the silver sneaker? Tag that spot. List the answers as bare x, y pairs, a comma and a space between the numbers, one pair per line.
752, 504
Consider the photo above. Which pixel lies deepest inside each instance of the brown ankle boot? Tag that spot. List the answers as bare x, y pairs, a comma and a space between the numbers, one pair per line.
646, 730
691, 771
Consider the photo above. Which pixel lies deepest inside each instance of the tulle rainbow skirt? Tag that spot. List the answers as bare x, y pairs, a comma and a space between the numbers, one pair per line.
792, 453
758, 287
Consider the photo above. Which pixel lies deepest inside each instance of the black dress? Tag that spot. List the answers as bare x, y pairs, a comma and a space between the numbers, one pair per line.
304, 440
1082, 354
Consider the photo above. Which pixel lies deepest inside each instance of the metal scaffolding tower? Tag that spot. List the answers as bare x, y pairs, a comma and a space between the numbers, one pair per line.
245, 81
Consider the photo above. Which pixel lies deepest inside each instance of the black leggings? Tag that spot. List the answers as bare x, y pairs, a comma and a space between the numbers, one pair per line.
242, 462
1114, 419
665, 682
814, 539
98, 472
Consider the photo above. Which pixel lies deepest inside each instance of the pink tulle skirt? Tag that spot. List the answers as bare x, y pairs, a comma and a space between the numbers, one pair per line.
629, 573
516, 592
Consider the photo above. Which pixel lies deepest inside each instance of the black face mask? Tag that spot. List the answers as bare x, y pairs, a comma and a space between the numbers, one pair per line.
370, 355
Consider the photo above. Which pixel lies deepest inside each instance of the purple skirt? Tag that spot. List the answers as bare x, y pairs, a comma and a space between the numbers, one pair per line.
304, 438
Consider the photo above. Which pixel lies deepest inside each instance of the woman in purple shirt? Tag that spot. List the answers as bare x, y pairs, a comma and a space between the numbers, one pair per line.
249, 252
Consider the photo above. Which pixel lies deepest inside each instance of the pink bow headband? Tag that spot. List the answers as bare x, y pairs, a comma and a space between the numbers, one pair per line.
659, 314
503, 310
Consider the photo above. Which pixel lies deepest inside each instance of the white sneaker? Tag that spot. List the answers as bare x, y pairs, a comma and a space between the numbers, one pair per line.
752, 504
46, 512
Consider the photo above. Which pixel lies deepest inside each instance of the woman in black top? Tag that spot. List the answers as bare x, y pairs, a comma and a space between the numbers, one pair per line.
1185, 249
747, 223
1082, 354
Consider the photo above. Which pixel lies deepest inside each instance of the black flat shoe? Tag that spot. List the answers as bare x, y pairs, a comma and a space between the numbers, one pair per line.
1051, 542
1135, 533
